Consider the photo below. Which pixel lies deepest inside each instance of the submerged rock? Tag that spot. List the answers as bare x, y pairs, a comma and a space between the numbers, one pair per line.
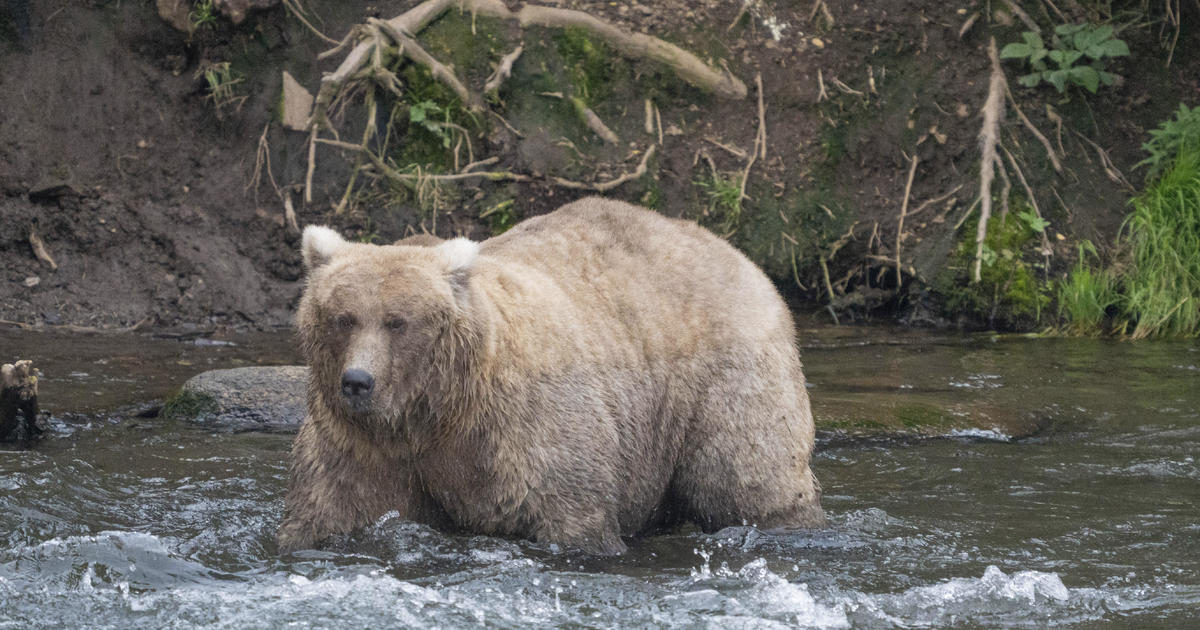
243, 399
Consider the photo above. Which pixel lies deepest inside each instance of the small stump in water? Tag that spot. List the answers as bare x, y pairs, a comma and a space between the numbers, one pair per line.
18, 402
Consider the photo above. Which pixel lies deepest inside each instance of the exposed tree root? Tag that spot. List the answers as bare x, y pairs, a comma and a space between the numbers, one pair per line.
760, 139
611, 184
1046, 251
369, 48
912, 171
503, 71
1034, 130
408, 47
989, 137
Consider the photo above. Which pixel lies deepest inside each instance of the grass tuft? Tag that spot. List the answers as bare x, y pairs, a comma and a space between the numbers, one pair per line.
1162, 289
1086, 295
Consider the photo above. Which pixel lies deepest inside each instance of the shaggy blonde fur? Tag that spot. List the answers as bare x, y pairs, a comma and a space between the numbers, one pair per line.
593, 373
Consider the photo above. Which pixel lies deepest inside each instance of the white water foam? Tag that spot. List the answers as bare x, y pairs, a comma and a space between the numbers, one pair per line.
980, 434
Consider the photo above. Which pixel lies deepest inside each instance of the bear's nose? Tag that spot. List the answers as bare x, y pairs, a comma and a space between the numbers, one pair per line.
357, 384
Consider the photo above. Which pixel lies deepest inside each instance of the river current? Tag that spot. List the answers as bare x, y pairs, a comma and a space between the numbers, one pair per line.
1089, 518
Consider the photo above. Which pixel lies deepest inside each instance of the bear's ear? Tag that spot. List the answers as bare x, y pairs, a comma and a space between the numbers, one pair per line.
320, 244
459, 254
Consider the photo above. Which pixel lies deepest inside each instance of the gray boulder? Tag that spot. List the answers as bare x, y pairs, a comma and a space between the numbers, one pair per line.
243, 399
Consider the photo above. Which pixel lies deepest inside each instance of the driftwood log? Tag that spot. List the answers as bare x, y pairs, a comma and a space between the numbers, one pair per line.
18, 402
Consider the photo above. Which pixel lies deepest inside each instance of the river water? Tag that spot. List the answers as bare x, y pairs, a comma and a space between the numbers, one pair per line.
1090, 519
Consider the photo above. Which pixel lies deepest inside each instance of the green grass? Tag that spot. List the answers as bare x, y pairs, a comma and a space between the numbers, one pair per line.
1162, 288
1086, 295
723, 192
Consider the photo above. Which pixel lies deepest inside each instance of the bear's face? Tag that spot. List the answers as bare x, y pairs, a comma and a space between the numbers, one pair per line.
373, 317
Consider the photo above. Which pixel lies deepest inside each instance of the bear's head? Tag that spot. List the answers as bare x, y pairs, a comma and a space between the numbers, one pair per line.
376, 322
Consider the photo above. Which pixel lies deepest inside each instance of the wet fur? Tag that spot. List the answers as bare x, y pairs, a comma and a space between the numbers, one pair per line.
593, 373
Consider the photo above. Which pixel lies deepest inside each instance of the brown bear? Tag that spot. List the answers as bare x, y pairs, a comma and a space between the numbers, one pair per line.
597, 372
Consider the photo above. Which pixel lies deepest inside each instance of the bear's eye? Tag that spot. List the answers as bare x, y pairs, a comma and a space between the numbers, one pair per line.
345, 321
396, 324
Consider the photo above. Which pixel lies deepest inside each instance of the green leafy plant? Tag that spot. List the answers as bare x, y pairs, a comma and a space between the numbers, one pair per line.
1009, 293
1072, 43
202, 16
1174, 135
420, 114
1035, 222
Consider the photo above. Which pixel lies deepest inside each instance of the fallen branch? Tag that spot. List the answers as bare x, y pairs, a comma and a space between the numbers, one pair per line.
989, 136
39, 249
611, 184
760, 138
929, 202
384, 170
1110, 169
297, 10
1034, 130
1024, 17
409, 47
968, 24
503, 71
87, 330
820, 5
1046, 251
289, 213
593, 121
633, 45
1004, 192
738, 18
762, 118
912, 171
587, 117
736, 152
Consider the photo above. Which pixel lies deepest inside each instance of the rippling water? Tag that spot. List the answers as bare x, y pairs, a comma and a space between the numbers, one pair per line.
1094, 521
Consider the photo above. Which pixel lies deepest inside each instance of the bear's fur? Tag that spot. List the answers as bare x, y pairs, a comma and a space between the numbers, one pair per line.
597, 372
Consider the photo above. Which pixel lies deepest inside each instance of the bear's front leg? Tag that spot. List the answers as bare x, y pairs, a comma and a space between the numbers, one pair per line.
592, 533
341, 482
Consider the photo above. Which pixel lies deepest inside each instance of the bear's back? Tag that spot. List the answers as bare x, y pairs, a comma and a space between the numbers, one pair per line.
660, 276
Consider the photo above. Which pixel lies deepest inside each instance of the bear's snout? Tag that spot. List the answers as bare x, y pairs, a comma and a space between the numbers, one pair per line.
357, 385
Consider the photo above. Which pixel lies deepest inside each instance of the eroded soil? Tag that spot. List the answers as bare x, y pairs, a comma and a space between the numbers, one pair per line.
113, 154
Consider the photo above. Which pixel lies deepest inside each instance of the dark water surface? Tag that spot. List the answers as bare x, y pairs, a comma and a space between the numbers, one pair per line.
116, 521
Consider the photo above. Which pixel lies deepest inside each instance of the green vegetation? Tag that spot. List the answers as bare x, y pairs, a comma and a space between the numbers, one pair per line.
589, 63
222, 83
201, 16
1071, 43
1086, 295
1153, 289
723, 192
1182, 132
1009, 290
1162, 287
421, 115
188, 405
500, 216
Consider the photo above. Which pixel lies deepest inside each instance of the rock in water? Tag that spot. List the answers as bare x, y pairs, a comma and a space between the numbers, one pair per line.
243, 399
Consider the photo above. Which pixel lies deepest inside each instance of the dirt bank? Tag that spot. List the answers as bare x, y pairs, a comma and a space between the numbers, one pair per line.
114, 154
